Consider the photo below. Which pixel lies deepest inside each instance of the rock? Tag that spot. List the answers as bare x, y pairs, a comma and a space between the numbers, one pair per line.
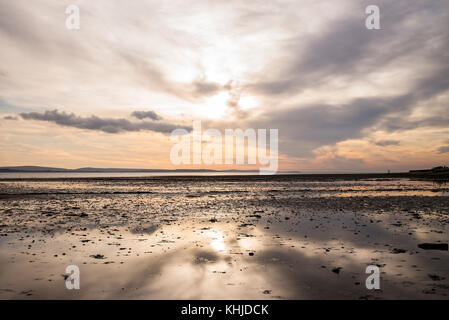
433, 246
251, 254
435, 277
244, 225
267, 292
416, 216
431, 291
336, 270
396, 251
97, 256
147, 228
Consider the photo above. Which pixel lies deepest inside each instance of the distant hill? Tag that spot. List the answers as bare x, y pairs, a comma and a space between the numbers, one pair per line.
439, 169
33, 169
90, 169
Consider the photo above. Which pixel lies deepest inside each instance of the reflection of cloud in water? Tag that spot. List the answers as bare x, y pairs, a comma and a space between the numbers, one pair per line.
145, 228
282, 237
217, 242
214, 263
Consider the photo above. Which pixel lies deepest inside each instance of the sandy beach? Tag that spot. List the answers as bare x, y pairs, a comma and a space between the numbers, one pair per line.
279, 237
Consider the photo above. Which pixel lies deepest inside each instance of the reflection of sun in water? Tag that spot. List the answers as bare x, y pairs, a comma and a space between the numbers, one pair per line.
217, 242
252, 242
247, 243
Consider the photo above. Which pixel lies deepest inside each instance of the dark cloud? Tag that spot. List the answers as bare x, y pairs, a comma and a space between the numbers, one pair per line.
304, 128
386, 143
348, 49
427, 88
233, 101
149, 75
413, 33
109, 125
146, 115
10, 14
398, 123
201, 87
443, 149
337, 52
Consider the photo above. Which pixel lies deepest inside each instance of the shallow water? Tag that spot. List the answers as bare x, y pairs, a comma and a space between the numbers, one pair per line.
207, 187
71, 175
222, 239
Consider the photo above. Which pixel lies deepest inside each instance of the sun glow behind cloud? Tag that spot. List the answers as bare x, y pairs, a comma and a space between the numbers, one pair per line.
214, 107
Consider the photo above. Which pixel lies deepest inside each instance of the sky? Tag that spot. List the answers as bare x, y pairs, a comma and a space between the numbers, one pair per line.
342, 97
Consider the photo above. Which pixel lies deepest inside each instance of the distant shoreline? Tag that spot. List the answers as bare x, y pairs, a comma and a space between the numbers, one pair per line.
218, 176
35, 169
50, 173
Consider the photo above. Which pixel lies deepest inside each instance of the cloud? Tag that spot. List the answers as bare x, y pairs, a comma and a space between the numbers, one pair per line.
148, 74
336, 52
426, 88
146, 114
385, 143
109, 125
411, 31
201, 87
304, 128
443, 149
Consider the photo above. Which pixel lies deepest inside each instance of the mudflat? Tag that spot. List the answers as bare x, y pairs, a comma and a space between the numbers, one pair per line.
227, 237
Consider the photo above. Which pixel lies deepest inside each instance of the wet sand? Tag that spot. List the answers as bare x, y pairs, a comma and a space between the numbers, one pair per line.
281, 237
